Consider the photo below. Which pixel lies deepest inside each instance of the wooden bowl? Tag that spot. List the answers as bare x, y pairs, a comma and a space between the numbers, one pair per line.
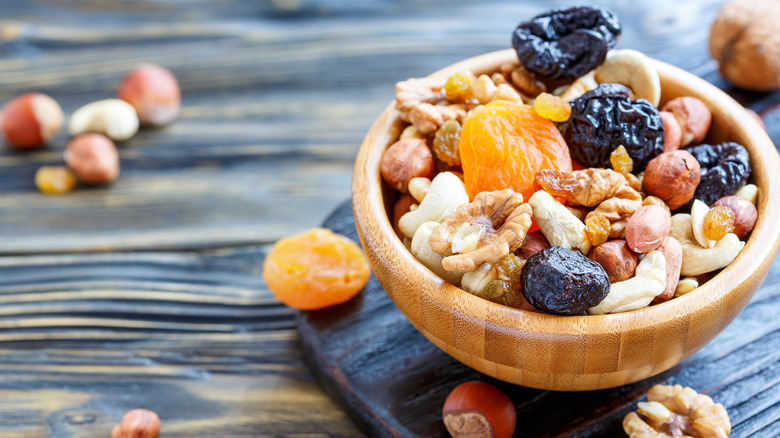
569, 353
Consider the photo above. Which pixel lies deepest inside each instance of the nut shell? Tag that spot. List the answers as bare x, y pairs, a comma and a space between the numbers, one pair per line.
477, 409
673, 177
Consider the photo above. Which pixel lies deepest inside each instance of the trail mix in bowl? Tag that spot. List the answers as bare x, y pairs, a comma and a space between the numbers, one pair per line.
557, 184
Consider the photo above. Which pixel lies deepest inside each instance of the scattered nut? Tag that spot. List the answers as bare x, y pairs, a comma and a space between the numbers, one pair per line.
686, 285
404, 160
421, 249
637, 292
114, 118
693, 116
745, 212
558, 224
418, 187
672, 251
55, 180
749, 192
673, 177
698, 260
446, 193
672, 131
647, 228
632, 69
476, 409
616, 258
138, 423
94, 158
154, 93
30, 120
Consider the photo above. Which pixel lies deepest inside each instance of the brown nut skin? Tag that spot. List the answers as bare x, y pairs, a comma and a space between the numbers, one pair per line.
672, 251
532, 244
693, 116
476, 409
94, 158
30, 120
742, 40
138, 423
404, 160
672, 131
745, 214
154, 93
673, 177
647, 228
401, 207
616, 258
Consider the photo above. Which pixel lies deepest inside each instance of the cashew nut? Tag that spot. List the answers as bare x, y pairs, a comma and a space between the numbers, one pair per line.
579, 87
418, 187
421, 249
698, 211
446, 193
478, 279
634, 70
115, 118
686, 285
749, 192
560, 226
637, 292
698, 260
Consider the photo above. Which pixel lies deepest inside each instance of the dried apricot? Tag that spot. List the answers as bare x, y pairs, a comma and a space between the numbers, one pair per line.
718, 222
315, 269
503, 145
552, 107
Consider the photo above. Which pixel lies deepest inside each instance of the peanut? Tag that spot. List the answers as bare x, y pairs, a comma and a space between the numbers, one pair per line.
647, 228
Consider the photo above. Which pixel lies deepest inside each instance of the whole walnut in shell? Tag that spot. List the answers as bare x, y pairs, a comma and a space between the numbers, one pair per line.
743, 39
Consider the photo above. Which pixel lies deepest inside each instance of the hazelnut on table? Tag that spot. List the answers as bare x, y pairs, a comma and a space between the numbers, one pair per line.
94, 158
30, 120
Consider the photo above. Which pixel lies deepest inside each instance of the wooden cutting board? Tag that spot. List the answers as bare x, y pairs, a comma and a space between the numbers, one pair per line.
393, 382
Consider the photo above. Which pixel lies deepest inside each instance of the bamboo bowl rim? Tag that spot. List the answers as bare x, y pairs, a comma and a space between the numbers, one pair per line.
369, 207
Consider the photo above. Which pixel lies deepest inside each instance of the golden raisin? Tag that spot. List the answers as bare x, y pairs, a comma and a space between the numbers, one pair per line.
55, 180
458, 87
552, 107
445, 143
621, 161
506, 289
718, 222
555, 182
597, 228
509, 268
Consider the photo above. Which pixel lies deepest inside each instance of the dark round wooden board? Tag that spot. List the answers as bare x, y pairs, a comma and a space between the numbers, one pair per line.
393, 382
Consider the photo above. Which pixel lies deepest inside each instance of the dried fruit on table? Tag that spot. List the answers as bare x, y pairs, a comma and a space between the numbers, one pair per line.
725, 168
597, 228
555, 183
566, 43
445, 143
552, 107
503, 145
620, 160
563, 281
478, 409
604, 118
56, 180
315, 269
718, 222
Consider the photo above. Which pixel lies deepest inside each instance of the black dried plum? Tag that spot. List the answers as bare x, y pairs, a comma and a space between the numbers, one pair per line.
566, 43
605, 118
563, 281
725, 168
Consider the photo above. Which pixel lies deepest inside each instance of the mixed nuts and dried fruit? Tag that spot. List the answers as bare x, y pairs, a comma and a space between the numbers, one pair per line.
558, 185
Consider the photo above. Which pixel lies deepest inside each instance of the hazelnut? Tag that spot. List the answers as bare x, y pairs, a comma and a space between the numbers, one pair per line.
138, 423
404, 160
154, 93
402, 206
745, 214
532, 244
693, 116
479, 410
672, 131
30, 120
673, 177
616, 258
647, 228
93, 157
743, 41
55, 180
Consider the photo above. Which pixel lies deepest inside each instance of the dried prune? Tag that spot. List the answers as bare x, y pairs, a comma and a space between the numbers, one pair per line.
566, 43
563, 281
725, 168
604, 118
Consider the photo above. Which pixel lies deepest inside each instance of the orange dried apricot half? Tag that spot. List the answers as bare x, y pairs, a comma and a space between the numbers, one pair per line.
503, 145
315, 269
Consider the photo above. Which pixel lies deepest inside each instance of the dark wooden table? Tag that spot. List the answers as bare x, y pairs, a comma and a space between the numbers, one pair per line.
147, 293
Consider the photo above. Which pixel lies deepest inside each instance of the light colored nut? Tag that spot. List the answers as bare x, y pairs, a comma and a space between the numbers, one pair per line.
446, 193
428, 118
699, 211
637, 292
698, 260
686, 285
672, 131
507, 93
412, 92
421, 249
410, 132
114, 118
693, 116
672, 251
30, 120
749, 192
647, 228
558, 224
478, 279
154, 93
579, 87
634, 70
404, 160
484, 89
402, 206
616, 258
672, 176
94, 158
745, 214
653, 200
418, 187
138, 423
